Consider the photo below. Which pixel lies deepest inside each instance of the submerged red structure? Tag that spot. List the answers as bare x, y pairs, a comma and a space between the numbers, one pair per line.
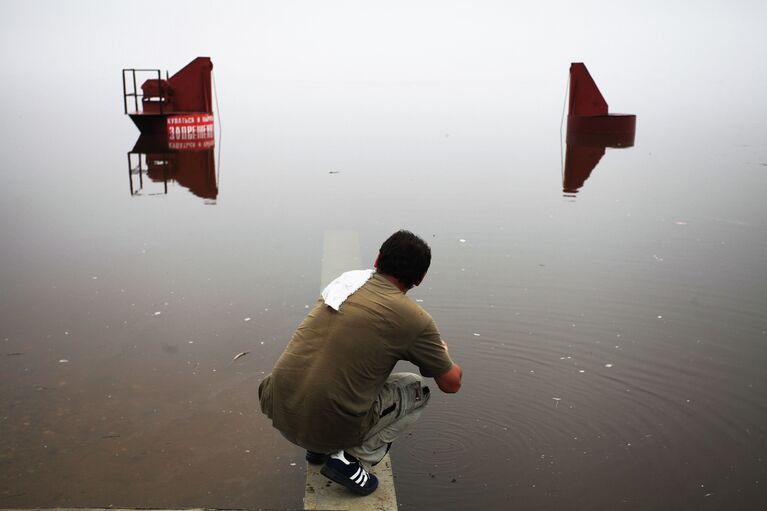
588, 116
175, 118
182, 101
590, 129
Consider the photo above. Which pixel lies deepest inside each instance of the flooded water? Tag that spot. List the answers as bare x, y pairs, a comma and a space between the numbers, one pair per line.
613, 336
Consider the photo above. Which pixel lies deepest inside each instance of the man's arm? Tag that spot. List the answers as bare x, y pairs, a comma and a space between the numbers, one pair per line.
450, 382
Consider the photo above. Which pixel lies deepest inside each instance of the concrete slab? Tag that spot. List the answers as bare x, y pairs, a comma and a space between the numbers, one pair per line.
340, 253
322, 493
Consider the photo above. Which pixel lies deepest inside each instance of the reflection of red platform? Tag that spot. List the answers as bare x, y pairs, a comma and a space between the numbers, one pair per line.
195, 171
189, 163
579, 162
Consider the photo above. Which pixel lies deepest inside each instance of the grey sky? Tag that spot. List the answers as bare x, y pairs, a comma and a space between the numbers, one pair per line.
684, 55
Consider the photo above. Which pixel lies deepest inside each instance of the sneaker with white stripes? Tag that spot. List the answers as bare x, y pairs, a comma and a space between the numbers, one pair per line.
346, 470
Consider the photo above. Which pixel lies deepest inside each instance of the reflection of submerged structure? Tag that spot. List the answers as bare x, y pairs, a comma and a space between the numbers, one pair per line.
193, 167
590, 129
175, 117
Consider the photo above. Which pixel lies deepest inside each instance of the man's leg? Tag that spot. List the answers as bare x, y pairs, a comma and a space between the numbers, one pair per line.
399, 404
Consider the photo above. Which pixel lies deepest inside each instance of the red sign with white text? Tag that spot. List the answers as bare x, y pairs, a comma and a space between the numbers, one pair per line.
190, 131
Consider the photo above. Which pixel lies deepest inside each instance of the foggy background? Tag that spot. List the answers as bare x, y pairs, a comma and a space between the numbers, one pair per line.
442, 117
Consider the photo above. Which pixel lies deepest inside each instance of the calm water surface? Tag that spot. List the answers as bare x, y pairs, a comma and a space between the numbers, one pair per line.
614, 340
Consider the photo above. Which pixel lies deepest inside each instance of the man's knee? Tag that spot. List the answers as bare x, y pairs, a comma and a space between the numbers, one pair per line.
410, 390
405, 379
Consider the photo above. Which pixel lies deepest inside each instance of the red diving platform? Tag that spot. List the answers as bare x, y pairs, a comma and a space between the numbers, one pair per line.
588, 118
179, 106
590, 129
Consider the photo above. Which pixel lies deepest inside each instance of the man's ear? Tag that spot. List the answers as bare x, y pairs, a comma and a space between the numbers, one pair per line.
420, 280
375, 264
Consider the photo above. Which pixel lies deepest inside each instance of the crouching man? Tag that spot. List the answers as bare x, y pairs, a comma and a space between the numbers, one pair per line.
332, 390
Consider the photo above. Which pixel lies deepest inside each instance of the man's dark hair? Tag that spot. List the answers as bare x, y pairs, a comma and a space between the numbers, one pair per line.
405, 257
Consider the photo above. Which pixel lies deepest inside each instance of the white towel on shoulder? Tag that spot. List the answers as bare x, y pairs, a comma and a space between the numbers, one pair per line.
342, 287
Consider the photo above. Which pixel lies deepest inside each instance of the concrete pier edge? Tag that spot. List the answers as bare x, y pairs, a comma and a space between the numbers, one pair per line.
322, 493
341, 252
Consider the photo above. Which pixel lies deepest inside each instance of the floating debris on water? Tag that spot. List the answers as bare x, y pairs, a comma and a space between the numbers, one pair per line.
608, 365
476, 334
240, 355
247, 319
157, 313
462, 240
63, 361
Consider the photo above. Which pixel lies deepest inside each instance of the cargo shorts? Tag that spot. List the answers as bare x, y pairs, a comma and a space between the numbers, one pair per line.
397, 407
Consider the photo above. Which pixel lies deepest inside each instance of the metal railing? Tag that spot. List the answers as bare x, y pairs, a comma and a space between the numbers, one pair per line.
141, 168
160, 98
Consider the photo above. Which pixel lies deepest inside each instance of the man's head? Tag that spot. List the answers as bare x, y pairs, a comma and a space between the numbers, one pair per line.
405, 257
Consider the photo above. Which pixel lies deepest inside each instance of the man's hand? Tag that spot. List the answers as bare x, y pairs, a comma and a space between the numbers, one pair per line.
450, 382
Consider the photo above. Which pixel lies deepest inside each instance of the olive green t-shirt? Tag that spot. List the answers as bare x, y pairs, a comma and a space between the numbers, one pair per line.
321, 392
